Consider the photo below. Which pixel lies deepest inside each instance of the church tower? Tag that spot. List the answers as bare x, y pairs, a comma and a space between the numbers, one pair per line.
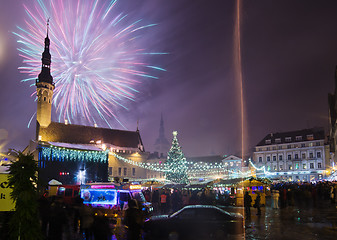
162, 145
44, 89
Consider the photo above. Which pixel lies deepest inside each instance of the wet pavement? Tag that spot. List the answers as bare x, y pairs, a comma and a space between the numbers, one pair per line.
291, 222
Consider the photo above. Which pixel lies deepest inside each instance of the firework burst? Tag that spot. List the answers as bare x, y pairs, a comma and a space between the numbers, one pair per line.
98, 57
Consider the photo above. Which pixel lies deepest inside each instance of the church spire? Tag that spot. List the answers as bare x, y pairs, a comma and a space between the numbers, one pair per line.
162, 145
44, 89
45, 75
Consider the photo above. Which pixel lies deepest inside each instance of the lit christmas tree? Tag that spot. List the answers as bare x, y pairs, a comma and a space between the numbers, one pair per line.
176, 163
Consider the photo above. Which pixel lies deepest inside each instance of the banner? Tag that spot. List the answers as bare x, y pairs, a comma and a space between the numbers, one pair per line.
6, 203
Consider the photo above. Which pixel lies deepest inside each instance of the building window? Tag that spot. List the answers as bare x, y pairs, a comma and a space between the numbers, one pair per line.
298, 138
280, 157
268, 148
134, 172
44, 99
260, 159
274, 148
311, 155
281, 167
119, 171
279, 147
318, 154
278, 140
288, 139
310, 137
289, 146
297, 166
304, 166
319, 165
275, 168
289, 157
318, 144
125, 171
303, 145
303, 155
311, 165
268, 141
268, 158
110, 170
290, 167
260, 149
274, 158
296, 156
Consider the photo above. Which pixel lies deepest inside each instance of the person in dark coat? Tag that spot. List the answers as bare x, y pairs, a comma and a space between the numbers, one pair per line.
257, 203
247, 203
134, 220
57, 220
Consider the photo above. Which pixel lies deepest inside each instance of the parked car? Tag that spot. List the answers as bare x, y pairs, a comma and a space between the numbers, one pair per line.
194, 222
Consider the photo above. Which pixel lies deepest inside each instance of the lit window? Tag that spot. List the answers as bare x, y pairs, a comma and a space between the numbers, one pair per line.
310, 137
281, 167
290, 167
304, 166
297, 166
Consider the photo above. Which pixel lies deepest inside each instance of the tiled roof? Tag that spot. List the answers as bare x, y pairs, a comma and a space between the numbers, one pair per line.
302, 136
78, 134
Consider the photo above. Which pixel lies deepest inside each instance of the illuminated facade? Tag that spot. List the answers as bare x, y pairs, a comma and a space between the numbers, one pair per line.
293, 156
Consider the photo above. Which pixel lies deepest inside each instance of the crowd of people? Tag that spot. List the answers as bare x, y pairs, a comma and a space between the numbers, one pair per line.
80, 221
290, 194
165, 201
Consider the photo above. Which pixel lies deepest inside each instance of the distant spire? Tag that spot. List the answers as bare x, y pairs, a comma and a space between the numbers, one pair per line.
161, 128
137, 125
162, 145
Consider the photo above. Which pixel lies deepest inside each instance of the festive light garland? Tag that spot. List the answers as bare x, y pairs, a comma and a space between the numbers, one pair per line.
53, 153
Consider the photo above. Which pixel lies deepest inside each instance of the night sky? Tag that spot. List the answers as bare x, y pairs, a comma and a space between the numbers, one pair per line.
289, 54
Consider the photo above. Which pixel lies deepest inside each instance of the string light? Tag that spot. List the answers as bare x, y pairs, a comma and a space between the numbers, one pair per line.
53, 153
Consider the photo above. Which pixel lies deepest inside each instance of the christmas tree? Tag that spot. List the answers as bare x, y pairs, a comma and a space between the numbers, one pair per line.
176, 164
